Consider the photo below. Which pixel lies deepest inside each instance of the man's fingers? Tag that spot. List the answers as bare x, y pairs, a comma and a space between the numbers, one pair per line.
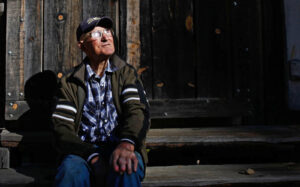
122, 164
129, 166
135, 163
115, 162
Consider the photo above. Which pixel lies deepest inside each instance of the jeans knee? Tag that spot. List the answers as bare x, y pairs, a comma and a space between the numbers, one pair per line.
72, 170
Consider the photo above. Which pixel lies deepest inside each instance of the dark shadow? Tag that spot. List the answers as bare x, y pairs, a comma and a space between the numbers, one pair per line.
35, 124
35, 155
40, 91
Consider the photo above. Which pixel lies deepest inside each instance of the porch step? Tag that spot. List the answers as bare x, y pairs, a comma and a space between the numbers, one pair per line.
264, 175
277, 174
223, 145
11, 178
177, 137
213, 145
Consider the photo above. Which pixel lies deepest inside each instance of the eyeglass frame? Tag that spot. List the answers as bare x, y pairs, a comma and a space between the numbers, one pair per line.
108, 32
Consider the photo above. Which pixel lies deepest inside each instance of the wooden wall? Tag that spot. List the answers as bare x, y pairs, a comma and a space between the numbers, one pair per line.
196, 58
40, 36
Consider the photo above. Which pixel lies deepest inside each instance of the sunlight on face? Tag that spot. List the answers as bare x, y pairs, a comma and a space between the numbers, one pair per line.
98, 42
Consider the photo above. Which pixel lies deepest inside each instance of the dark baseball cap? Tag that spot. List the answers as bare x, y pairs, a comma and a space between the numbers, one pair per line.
90, 23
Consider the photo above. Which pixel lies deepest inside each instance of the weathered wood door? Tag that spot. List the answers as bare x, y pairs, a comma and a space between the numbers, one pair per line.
205, 57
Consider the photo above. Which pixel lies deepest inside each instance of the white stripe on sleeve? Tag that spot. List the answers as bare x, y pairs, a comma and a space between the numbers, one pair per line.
62, 117
129, 90
131, 98
66, 107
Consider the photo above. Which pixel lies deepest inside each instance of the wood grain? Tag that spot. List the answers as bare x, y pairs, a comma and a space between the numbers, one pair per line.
14, 50
61, 19
33, 38
173, 54
224, 175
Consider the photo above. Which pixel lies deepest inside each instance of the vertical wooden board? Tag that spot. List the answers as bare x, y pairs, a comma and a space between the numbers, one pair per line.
61, 18
123, 25
213, 49
146, 67
2, 65
173, 44
133, 33
93, 8
14, 48
274, 58
247, 55
33, 38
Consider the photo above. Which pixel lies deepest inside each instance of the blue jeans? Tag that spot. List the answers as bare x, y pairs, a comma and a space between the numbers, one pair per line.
74, 171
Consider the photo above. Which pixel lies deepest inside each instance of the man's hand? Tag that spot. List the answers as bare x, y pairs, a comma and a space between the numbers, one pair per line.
123, 158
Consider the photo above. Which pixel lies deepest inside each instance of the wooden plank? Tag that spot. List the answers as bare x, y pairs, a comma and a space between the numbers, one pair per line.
99, 8
223, 175
2, 59
61, 18
123, 26
203, 107
179, 137
146, 66
212, 34
133, 33
173, 49
14, 109
14, 48
274, 58
33, 39
10, 177
247, 55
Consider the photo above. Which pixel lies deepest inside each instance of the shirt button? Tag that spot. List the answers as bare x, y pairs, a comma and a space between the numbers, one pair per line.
102, 103
105, 121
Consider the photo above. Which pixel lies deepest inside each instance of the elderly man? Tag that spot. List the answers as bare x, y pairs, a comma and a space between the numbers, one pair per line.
101, 117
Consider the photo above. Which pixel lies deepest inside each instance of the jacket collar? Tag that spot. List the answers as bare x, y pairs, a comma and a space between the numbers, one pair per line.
79, 71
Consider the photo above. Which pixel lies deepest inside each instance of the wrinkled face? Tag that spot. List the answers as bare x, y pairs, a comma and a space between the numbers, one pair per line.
98, 43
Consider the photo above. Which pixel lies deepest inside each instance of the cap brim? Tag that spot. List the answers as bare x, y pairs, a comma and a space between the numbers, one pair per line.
105, 22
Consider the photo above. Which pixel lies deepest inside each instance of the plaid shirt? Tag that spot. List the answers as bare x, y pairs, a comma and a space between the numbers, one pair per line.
99, 117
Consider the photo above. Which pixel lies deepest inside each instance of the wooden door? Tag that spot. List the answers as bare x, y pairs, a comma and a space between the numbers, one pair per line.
205, 58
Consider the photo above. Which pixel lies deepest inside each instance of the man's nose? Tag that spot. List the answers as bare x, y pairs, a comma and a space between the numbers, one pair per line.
103, 38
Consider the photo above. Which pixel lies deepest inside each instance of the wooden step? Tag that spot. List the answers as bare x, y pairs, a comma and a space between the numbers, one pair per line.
185, 136
214, 145
272, 174
10, 178
177, 137
223, 145
278, 174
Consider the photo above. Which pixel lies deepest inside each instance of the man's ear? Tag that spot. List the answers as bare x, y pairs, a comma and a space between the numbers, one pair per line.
80, 45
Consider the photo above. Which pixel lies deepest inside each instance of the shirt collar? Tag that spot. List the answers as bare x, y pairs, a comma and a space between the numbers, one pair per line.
91, 74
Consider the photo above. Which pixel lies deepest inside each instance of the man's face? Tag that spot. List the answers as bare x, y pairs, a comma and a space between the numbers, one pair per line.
98, 43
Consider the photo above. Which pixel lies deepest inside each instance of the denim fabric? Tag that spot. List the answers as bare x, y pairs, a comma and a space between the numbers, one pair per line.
74, 171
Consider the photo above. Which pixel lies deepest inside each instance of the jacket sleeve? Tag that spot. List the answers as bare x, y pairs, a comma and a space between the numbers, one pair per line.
135, 107
65, 129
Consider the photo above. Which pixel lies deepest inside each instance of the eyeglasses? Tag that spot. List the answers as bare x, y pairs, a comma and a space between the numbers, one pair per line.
98, 34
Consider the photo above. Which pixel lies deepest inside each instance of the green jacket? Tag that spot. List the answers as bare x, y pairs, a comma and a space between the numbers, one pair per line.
133, 114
